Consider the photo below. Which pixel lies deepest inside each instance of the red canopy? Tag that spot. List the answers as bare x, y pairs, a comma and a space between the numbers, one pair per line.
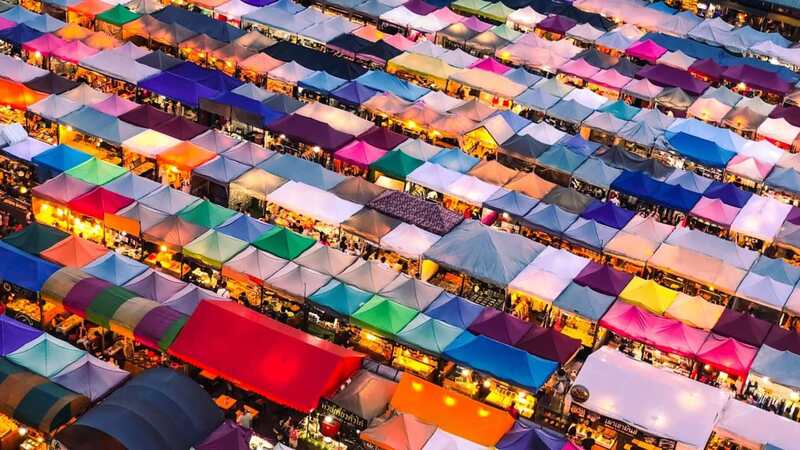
99, 202
281, 363
727, 354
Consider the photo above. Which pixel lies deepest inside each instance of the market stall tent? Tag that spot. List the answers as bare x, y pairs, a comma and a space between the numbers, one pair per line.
756, 426
326, 259
132, 186
14, 335
283, 243
91, 377
340, 297
454, 310
371, 275
35, 238
74, 252
252, 266
400, 432
244, 227
45, 355
301, 388
115, 268
296, 282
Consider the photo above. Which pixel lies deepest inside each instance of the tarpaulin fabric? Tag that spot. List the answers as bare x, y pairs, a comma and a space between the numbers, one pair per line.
357, 190
132, 186
603, 278
74, 252
178, 88
428, 334
96, 171
98, 202
155, 286
245, 228
160, 409
384, 316
549, 344
206, 214
115, 268
501, 360
727, 355
168, 200
340, 297
228, 436
451, 411
296, 282
521, 437
35, 401
312, 132
500, 326
23, 269
583, 301
185, 155
214, 248
186, 300
454, 310
326, 259
743, 327
91, 376
174, 232
45, 355
283, 243
297, 384
35, 238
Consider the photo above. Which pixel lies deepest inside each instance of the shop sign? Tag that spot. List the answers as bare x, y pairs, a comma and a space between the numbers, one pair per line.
328, 408
622, 427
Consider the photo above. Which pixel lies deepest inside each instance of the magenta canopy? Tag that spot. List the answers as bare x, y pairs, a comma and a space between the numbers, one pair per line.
475, 24
579, 68
500, 326
549, 344
727, 354
74, 51
707, 68
610, 78
45, 44
490, 64
646, 50
715, 210
359, 153
742, 327
603, 278
757, 78
556, 24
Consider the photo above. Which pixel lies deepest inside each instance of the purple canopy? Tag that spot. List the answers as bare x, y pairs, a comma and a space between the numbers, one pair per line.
382, 138
556, 24
83, 293
549, 344
521, 437
500, 326
790, 113
608, 214
783, 340
420, 7
229, 436
708, 68
794, 216
742, 326
181, 128
145, 116
757, 78
14, 335
667, 76
155, 286
91, 377
603, 278
311, 132
159, 327
353, 93
259, 3
186, 300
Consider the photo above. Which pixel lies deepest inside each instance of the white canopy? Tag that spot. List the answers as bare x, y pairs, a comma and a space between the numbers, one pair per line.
400, 16
587, 98
758, 427
560, 262
761, 217
540, 283
764, 151
676, 59
409, 240
654, 400
428, 48
235, 9
778, 130
313, 202
338, 119
149, 143
290, 72
458, 58
543, 132
117, 64
584, 32
433, 176
471, 190
526, 17
442, 440
440, 102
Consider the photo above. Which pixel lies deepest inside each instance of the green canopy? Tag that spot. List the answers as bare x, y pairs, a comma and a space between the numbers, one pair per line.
214, 248
283, 243
103, 306
496, 11
206, 214
429, 334
396, 164
340, 297
35, 238
118, 15
45, 355
472, 7
384, 316
96, 172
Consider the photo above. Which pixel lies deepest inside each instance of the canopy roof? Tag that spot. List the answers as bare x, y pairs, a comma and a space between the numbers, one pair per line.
91, 377
427, 215
340, 297
115, 268
173, 232
14, 335
367, 395
168, 200
98, 202
214, 248
35, 238
74, 252
742, 326
45, 355
727, 355
401, 432
584, 301
244, 227
283, 243
313, 202
206, 214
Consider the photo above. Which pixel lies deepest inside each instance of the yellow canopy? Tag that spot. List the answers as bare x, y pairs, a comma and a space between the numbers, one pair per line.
649, 295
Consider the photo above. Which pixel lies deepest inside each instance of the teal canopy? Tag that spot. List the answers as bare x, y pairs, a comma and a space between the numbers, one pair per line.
45, 355
429, 334
340, 297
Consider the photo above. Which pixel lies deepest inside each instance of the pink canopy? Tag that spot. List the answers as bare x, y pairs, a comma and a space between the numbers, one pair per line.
45, 44
610, 78
5, 24
115, 106
749, 167
359, 153
579, 68
447, 15
490, 64
475, 24
74, 52
646, 50
667, 335
715, 210
399, 42
727, 354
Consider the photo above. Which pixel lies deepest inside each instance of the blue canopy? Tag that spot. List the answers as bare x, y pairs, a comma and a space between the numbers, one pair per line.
584, 301
620, 110
784, 178
353, 93
521, 76
560, 158
109, 128
18, 14
429, 334
536, 98
454, 310
637, 184
493, 256
455, 159
45, 23
19, 34
243, 109
60, 158
676, 197
550, 218
322, 82
514, 203
580, 145
115, 268
200, 23
24, 270
500, 360
244, 228
210, 78
384, 82
521, 437
777, 269
159, 409
608, 214
221, 170
782, 367
728, 193
661, 6
178, 88
597, 173
569, 111
515, 121
340, 297
700, 150
590, 233
296, 169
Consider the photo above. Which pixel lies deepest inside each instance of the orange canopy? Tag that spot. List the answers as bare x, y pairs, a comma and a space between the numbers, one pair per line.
260, 62
17, 95
185, 155
90, 8
451, 411
208, 4
101, 41
73, 31
531, 185
74, 252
